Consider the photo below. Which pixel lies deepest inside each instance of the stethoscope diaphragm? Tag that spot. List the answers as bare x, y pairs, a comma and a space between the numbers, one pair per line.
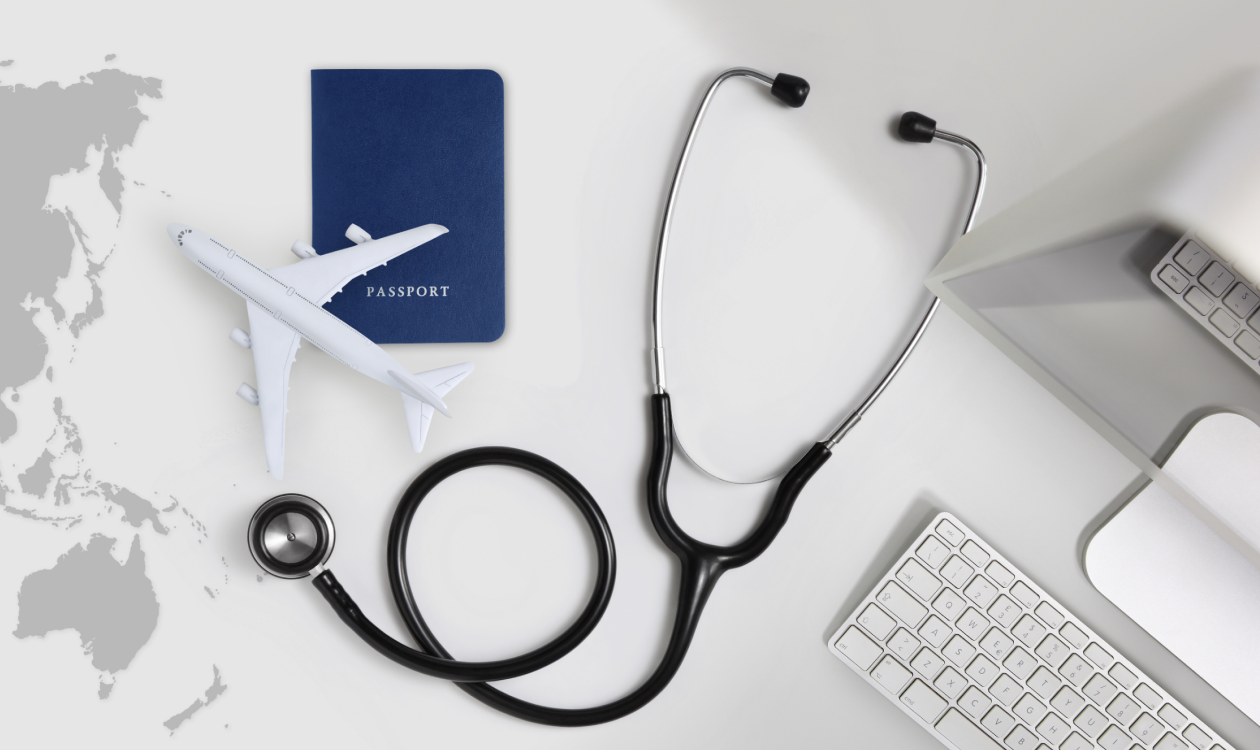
290, 535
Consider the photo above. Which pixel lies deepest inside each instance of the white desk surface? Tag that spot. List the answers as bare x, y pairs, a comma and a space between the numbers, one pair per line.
802, 242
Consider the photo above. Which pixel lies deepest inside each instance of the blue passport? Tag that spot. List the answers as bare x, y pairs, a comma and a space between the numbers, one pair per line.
396, 149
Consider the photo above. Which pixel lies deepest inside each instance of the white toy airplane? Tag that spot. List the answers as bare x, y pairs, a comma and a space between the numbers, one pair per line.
285, 305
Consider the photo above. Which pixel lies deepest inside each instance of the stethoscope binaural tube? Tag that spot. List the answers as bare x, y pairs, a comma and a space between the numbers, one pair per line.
913, 127
702, 564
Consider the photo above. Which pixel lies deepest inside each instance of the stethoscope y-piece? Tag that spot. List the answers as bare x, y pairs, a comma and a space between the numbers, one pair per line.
292, 536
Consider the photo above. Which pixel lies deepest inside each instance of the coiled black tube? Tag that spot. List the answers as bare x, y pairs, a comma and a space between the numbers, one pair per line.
702, 566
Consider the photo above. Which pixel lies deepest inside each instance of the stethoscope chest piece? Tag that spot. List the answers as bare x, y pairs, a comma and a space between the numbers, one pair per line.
290, 535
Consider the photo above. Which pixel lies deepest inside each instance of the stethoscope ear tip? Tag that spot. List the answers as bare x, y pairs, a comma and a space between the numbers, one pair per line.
916, 128
789, 89
291, 535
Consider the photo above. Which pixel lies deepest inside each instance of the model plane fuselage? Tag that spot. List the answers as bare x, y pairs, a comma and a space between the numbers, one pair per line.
292, 308
285, 305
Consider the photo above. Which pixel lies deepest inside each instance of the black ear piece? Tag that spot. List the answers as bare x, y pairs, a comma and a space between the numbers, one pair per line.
917, 128
790, 89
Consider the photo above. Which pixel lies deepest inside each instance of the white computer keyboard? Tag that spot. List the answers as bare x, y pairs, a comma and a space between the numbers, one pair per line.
1213, 291
983, 659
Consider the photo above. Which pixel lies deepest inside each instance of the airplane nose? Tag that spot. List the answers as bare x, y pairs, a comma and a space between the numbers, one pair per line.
173, 230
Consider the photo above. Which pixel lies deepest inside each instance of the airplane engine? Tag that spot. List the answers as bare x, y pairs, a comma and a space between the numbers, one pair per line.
303, 250
357, 235
240, 338
247, 392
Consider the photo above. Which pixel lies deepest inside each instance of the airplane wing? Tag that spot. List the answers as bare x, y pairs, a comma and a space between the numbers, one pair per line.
419, 414
275, 347
319, 278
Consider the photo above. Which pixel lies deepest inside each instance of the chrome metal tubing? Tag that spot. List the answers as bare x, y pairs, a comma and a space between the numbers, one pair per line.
662, 245
855, 417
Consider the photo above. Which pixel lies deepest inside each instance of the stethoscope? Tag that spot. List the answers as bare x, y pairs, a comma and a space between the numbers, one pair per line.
292, 536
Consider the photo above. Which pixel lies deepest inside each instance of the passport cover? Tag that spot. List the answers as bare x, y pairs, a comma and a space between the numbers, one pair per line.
396, 149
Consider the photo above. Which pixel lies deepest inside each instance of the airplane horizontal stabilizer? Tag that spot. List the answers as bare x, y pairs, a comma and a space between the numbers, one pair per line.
419, 414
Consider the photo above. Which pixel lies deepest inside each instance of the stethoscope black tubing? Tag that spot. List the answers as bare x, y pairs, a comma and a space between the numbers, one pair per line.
442, 665
702, 565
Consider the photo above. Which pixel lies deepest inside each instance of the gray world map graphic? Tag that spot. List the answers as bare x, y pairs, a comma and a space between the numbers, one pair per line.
47, 131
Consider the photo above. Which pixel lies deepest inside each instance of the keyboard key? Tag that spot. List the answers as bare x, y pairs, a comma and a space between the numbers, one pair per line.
1020, 662
1199, 300
1216, 279
918, 579
1115, 739
1001, 575
996, 643
1122, 675
1004, 610
1222, 322
1091, 721
1123, 708
1029, 631
927, 704
1076, 742
959, 651
951, 683
981, 591
1076, 670
1192, 258
927, 663
1197, 737
1171, 742
1053, 728
902, 604
1024, 595
1099, 689
903, 644
1240, 300
974, 702
983, 671
1044, 682
876, 622
860, 650
1146, 729
1098, 655
975, 553
1066, 701
1029, 710
1021, 738
1053, 652
972, 624
956, 571
950, 604
1074, 635
1049, 615
932, 552
1172, 717
956, 728
935, 631
1006, 690
1148, 696
891, 675
1173, 278
999, 722
1249, 344
950, 533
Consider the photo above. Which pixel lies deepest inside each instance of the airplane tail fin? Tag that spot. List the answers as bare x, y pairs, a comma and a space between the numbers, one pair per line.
419, 414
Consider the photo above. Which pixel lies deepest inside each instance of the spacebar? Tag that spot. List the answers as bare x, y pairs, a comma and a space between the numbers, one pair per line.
966, 736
